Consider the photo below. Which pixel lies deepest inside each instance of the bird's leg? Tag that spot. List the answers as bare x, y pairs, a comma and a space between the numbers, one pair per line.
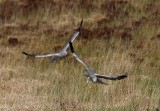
54, 59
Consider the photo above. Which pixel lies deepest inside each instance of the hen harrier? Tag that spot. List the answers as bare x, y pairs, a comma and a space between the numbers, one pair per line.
63, 52
91, 74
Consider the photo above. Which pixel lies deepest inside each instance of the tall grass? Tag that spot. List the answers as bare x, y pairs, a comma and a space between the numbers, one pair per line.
131, 48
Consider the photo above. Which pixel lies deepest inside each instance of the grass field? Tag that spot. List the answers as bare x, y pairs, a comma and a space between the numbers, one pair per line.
117, 37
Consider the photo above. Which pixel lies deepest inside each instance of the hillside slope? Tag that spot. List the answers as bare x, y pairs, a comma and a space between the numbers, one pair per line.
117, 37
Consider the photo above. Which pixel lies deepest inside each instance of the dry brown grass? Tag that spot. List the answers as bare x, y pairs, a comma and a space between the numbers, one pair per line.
118, 36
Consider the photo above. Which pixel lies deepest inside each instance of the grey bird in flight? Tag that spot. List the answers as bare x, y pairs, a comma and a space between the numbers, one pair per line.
91, 74
63, 52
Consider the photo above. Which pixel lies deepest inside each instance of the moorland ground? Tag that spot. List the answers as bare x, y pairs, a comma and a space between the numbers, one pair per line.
117, 37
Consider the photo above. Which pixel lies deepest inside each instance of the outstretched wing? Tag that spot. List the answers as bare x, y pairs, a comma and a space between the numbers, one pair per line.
111, 77
74, 36
39, 56
91, 74
31, 55
76, 56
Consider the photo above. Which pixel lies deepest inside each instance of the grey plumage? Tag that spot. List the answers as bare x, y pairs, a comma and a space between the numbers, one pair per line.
91, 74
63, 52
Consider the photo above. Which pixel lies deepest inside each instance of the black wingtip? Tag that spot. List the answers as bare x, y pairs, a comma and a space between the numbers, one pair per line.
123, 76
27, 54
71, 47
80, 25
24, 53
